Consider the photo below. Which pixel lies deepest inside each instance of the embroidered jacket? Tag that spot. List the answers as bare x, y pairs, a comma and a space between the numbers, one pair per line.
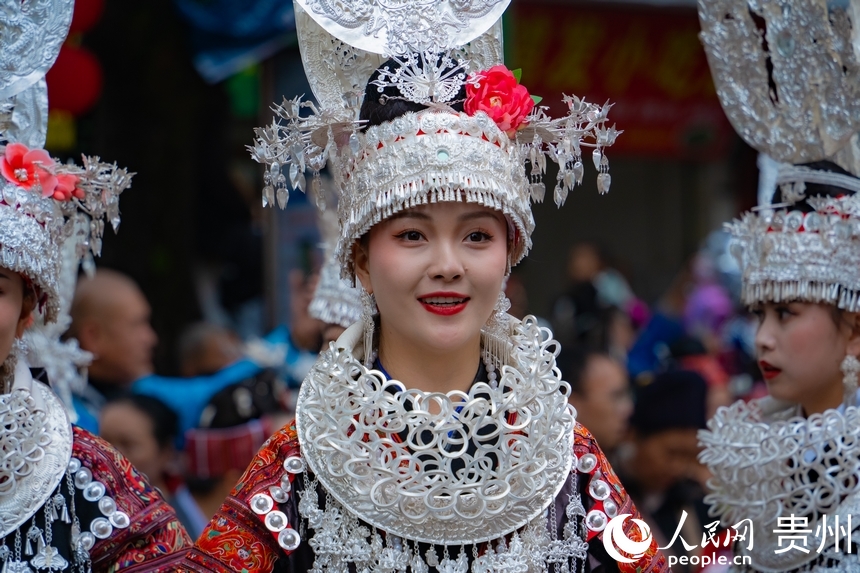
237, 539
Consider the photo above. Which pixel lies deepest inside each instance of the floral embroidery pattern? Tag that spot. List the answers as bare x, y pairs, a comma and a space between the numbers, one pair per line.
155, 541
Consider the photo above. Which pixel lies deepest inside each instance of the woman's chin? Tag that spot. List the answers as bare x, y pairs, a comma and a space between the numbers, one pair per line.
448, 339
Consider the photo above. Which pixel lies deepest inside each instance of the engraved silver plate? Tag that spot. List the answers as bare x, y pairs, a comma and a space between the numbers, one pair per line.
335, 67
24, 117
799, 101
54, 436
379, 451
30, 39
397, 27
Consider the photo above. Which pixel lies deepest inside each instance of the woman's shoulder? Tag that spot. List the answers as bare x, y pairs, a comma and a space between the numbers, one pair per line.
248, 531
269, 461
144, 530
605, 499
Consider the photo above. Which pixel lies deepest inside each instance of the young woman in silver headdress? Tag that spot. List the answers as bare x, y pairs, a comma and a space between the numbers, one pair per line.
68, 500
435, 432
785, 467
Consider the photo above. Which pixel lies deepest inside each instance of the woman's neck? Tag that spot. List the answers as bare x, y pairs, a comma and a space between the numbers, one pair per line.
829, 397
427, 370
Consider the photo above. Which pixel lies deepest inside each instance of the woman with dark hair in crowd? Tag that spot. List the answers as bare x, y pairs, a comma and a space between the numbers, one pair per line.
144, 430
788, 461
434, 433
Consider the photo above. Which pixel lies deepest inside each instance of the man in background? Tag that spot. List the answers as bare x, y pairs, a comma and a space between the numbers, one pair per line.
110, 319
659, 466
600, 392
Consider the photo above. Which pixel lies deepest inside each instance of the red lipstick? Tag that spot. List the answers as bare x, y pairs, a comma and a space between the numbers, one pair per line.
444, 303
768, 370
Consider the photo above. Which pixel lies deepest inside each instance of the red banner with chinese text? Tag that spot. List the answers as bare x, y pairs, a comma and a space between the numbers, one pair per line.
648, 61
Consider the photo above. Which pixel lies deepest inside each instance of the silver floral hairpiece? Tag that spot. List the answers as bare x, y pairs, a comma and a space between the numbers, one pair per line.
44, 204
425, 78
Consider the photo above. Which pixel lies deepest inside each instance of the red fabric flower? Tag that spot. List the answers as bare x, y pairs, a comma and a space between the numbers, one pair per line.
67, 187
25, 167
498, 93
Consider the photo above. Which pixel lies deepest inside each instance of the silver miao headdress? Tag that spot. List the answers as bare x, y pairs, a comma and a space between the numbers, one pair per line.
797, 101
433, 155
51, 214
335, 300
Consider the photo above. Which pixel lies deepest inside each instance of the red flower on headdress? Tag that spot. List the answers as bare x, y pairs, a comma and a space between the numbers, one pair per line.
27, 167
67, 187
498, 93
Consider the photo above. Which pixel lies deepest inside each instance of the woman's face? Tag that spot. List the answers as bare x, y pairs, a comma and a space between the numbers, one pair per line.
132, 433
14, 313
436, 272
800, 347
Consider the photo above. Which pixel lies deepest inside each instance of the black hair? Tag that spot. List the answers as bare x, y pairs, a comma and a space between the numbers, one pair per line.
817, 189
374, 112
573, 362
675, 399
244, 401
165, 422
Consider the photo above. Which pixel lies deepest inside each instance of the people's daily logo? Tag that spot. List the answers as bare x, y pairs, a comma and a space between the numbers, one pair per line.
615, 539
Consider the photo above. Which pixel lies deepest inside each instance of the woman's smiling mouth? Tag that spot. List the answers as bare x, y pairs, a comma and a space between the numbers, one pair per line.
444, 303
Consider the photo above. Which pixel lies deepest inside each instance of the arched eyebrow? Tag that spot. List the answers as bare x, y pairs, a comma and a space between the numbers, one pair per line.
465, 217
479, 214
409, 215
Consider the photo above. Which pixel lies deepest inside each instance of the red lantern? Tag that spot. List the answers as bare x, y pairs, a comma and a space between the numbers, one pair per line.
86, 14
75, 81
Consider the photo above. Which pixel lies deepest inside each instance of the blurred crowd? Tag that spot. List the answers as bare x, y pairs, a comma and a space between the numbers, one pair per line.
644, 379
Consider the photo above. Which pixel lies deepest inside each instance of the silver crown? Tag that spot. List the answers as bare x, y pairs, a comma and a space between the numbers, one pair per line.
792, 91
435, 155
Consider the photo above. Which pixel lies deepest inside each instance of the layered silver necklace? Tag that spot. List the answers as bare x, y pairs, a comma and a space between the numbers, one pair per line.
39, 480
770, 463
420, 481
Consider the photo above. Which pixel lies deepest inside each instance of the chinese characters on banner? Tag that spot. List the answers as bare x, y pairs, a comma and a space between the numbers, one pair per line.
648, 61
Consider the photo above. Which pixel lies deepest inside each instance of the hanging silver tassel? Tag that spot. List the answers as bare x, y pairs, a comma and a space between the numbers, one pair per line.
368, 310
850, 368
496, 336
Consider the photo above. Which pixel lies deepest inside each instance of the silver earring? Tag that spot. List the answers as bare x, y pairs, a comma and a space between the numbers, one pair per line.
7, 368
850, 368
496, 334
368, 311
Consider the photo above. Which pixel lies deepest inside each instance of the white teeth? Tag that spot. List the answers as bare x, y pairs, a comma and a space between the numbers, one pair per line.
442, 300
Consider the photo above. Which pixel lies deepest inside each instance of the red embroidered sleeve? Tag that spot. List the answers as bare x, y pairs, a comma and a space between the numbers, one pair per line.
652, 560
236, 539
154, 542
